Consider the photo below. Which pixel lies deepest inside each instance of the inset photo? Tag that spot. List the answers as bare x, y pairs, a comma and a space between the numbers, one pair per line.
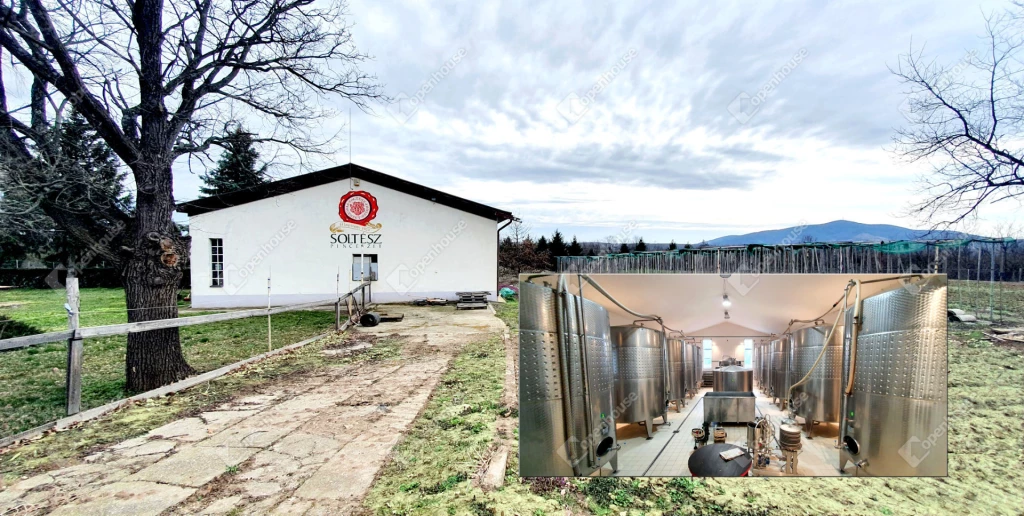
679, 375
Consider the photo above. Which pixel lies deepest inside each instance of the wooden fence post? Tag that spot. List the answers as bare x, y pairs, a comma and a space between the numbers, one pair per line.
337, 315
73, 379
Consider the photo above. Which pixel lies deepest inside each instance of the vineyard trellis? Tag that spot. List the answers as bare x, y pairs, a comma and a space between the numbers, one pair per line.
973, 260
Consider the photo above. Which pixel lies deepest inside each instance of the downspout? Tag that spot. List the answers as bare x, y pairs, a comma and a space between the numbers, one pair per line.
497, 259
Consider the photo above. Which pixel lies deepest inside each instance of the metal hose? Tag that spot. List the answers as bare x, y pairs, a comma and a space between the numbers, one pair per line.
588, 416
857, 306
824, 348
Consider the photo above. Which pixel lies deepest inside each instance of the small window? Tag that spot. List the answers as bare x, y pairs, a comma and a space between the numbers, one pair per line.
216, 262
748, 353
364, 266
707, 353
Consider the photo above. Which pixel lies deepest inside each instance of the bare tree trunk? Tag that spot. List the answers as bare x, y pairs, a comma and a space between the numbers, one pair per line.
151, 277
154, 358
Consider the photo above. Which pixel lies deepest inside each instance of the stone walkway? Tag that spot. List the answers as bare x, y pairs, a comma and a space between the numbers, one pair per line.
308, 445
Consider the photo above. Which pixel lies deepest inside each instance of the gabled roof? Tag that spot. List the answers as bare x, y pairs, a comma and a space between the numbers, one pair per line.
330, 175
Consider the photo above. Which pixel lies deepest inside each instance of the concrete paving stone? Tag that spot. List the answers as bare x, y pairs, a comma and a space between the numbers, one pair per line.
261, 489
223, 505
189, 429
8, 498
33, 482
253, 401
292, 506
251, 434
194, 466
128, 498
150, 447
131, 443
338, 480
270, 465
303, 445
200, 427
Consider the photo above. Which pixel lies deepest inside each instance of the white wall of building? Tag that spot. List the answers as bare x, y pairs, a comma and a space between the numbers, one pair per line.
727, 340
423, 249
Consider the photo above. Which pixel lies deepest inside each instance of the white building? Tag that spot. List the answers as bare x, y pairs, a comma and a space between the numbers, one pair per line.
317, 234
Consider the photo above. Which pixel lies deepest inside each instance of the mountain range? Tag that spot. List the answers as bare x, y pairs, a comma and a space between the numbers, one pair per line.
835, 231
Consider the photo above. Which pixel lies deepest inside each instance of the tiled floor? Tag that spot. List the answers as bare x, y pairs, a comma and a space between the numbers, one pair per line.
668, 452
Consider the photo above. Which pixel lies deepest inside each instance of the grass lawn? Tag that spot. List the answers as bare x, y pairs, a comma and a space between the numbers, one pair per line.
508, 313
32, 379
1006, 299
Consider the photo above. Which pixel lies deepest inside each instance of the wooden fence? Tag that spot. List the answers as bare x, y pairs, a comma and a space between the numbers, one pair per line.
353, 305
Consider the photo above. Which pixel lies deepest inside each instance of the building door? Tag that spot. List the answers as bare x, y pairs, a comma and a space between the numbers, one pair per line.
364, 266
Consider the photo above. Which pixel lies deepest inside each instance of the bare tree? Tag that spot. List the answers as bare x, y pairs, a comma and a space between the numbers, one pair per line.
967, 120
157, 81
519, 231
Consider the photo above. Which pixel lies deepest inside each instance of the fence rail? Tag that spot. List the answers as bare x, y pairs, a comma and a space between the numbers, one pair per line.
74, 335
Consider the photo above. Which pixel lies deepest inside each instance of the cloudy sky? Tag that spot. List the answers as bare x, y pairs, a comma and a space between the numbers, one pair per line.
694, 119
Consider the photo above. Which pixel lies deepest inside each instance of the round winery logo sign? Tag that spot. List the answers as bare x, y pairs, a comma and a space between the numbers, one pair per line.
357, 210
357, 207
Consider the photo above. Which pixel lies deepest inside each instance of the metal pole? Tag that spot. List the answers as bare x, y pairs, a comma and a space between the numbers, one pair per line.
73, 376
991, 280
270, 345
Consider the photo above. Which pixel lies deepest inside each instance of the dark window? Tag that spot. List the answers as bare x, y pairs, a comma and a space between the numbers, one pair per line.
364, 266
216, 262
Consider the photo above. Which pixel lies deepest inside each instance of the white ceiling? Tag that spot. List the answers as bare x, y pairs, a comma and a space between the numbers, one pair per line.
692, 303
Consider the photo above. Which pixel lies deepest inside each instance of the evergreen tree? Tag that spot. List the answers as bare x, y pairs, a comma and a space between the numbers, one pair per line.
623, 248
542, 244
687, 246
557, 243
672, 246
78, 172
591, 253
640, 245
238, 166
575, 249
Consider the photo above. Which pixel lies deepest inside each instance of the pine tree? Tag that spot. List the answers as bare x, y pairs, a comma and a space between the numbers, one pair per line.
542, 244
640, 245
623, 248
238, 166
558, 247
80, 173
575, 249
672, 246
591, 253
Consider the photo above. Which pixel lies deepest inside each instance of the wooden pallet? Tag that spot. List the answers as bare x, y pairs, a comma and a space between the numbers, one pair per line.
386, 317
471, 300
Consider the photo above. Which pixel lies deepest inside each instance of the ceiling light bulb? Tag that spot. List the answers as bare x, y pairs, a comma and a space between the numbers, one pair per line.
726, 314
725, 301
